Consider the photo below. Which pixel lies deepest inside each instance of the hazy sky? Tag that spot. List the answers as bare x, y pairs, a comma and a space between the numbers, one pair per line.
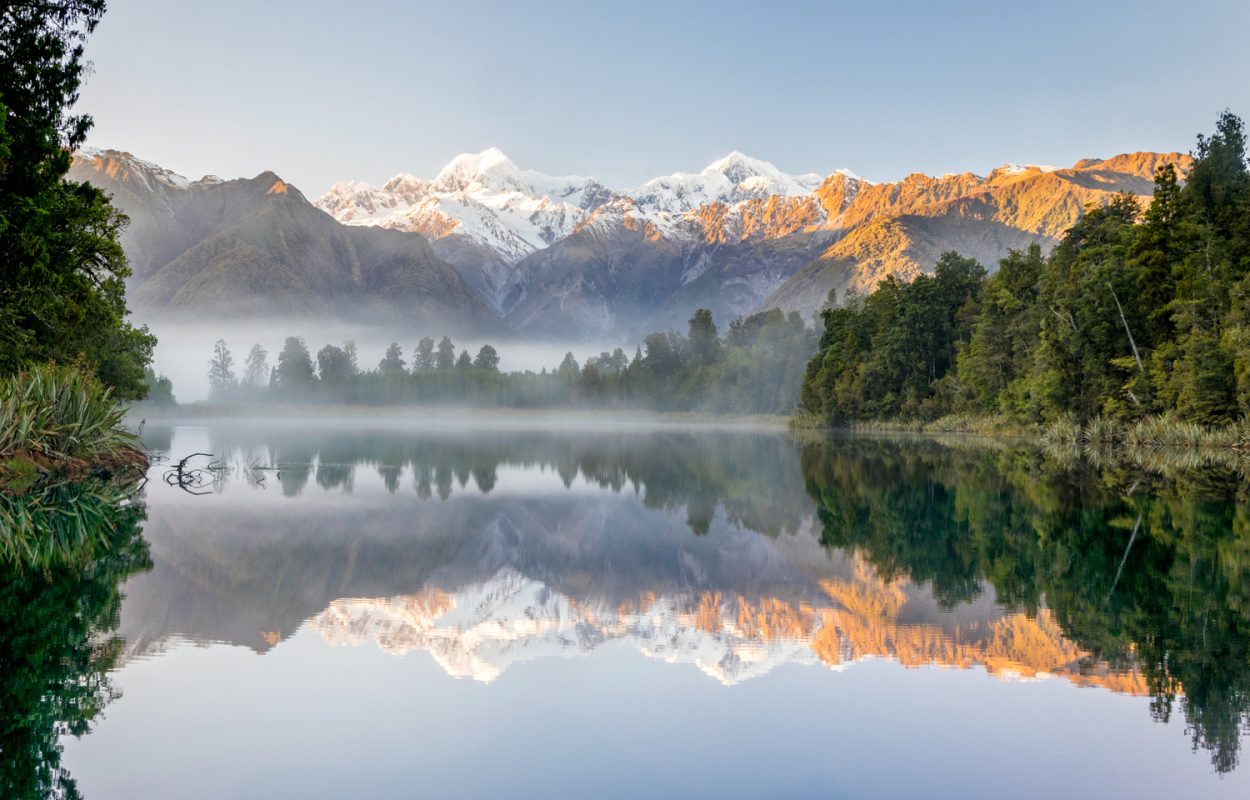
624, 91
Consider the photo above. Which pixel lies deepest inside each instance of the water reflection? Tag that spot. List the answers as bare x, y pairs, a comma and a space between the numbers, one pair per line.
1147, 569
754, 479
63, 554
732, 553
915, 551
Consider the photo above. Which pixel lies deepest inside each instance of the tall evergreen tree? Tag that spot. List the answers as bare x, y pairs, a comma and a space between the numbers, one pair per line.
568, 370
487, 359
704, 338
1161, 245
221, 377
256, 367
445, 357
295, 367
423, 360
62, 295
393, 364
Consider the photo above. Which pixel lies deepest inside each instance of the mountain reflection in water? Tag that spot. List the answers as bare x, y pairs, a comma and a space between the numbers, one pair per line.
731, 552
523, 544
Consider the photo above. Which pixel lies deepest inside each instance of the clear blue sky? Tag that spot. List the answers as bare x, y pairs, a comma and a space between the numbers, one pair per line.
624, 91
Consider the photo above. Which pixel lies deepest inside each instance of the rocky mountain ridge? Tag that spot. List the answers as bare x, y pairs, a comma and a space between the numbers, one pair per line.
737, 236
569, 258
257, 248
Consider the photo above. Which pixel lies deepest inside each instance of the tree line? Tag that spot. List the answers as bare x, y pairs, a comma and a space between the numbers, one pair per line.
1136, 312
755, 368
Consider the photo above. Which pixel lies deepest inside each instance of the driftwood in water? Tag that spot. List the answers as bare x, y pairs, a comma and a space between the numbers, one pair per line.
192, 480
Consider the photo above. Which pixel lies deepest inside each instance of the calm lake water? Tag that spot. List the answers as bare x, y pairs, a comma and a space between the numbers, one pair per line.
491, 610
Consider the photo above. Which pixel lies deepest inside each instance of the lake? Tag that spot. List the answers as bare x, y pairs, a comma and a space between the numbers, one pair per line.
490, 608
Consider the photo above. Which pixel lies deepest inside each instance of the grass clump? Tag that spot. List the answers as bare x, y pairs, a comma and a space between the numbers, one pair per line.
62, 419
974, 424
1150, 433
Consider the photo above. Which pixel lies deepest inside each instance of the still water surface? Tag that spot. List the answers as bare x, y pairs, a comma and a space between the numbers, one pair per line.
641, 612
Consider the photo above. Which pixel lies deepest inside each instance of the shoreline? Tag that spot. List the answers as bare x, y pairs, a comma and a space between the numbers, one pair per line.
23, 471
572, 418
1099, 433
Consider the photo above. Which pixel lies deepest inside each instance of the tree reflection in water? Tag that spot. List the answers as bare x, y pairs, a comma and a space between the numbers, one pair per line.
63, 555
1143, 564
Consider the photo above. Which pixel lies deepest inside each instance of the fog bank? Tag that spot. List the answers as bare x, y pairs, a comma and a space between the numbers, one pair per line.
183, 350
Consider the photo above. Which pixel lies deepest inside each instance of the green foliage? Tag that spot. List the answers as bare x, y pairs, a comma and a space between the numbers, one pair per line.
62, 296
487, 359
705, 348
160, 389
337, 365
1004, 336
568, 370
61, 414
885, 355
1132, 314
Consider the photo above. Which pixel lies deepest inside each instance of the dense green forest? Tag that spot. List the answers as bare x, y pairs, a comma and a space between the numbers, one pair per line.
62, 292
1136, 312
756, 368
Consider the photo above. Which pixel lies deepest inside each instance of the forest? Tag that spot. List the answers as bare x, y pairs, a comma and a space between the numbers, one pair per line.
756, 368
1136, 313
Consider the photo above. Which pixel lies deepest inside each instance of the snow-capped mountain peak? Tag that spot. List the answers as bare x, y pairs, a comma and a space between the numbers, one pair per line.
733, 179
490, 168
679, 205
486, 198
1011, 168
119, 163
740, 169
482, 196
492, 172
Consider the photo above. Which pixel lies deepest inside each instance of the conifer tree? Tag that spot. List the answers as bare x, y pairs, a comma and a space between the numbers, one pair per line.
62, 295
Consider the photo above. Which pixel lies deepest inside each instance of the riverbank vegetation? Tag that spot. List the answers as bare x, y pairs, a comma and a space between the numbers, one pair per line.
756, 368
1136, 326
62, 290
62, 423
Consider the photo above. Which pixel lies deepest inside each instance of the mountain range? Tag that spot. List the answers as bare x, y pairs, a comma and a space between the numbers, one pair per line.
485, 246
257, 248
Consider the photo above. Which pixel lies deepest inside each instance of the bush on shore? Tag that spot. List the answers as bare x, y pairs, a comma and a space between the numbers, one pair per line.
63, 421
